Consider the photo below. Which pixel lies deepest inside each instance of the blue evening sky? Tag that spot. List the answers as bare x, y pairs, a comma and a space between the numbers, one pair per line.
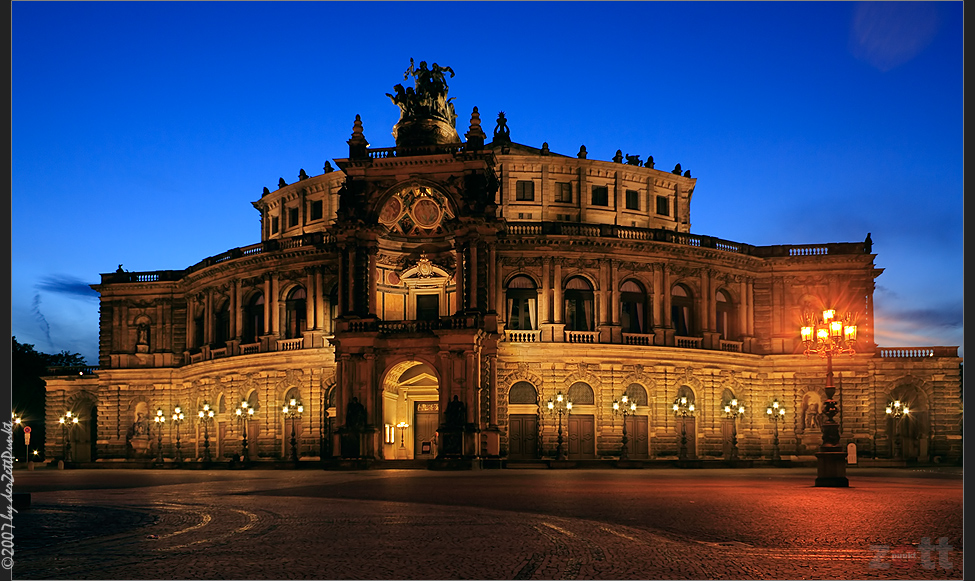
142, 132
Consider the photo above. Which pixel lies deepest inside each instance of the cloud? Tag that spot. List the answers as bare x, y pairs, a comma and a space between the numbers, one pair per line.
67, 285
888, 34
41, 320
946, 317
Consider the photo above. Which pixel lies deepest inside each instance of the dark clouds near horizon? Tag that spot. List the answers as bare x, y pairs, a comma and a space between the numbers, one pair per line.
67, 285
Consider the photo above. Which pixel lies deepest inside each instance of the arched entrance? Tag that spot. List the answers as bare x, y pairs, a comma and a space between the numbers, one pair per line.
84, 435
908, 437
523, 421
411, 411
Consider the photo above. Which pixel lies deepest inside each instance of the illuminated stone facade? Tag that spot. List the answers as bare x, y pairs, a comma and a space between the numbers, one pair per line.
499, 275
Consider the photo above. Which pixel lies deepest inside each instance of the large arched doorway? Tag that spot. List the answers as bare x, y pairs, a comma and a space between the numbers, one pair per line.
638, 423
84, 435
908, 436
411, 411
582, 422
522, 421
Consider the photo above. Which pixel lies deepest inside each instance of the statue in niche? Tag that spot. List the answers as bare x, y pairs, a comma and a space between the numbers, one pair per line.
142, 334
456, 413
355, 415
811, 416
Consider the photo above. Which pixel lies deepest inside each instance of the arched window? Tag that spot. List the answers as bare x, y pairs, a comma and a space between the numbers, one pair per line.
579, 305
636, 393
198, 327
682, 311
633, 308
522, 297
726, 314
522, 392
295, 313
581, 394
221, 328
253, 319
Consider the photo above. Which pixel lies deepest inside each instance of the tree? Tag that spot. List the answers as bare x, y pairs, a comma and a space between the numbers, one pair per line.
28, 367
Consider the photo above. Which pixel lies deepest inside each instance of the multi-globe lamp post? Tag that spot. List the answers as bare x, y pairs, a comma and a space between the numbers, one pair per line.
683, 409
559, 406
732, 410
897, 410
178, 418
244, 413
206, 418
292, 411
159, 420
828, 337
775, 412
624, 407
68, 420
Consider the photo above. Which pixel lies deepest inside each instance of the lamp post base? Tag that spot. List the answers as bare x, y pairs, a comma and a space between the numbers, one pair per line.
831, 469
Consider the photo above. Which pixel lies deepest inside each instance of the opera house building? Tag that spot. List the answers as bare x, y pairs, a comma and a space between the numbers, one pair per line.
474, 301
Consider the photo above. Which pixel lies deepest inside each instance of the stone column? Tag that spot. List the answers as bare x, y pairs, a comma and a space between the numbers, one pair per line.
373, 291
473, 264
459, 276
311, 294
557, 292
236, 310
545, 298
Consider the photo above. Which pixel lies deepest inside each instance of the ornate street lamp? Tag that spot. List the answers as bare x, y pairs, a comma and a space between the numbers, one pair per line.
178, 418
829, 337
775, 412
293, 412
624, 407
244, 413
897, 411
683, 410
159, 420
733, 409
66, 421
561, 405
206, 417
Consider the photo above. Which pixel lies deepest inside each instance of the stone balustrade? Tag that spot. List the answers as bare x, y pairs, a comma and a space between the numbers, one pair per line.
582, 336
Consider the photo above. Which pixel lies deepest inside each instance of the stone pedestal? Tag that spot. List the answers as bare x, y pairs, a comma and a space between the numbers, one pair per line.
831, 468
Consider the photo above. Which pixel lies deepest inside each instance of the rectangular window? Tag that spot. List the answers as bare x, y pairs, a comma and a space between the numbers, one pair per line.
600, 196
427, 307
632, 200
316, 210
662, 207
274, 224
563, 192
292, 217
525, 191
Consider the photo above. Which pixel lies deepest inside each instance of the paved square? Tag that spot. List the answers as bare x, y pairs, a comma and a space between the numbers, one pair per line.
497, 524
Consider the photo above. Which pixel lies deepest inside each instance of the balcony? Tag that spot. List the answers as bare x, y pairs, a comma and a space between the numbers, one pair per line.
522, 336
688, 342
582, 336
637, 339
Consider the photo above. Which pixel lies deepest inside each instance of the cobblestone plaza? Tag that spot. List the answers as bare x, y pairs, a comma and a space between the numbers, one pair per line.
489, 524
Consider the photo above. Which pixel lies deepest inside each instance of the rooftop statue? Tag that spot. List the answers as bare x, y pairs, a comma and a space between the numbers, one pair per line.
427, 116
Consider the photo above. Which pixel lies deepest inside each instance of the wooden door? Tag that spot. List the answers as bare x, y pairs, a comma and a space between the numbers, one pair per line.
690, 431
638, 436
522, 436
582, 437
